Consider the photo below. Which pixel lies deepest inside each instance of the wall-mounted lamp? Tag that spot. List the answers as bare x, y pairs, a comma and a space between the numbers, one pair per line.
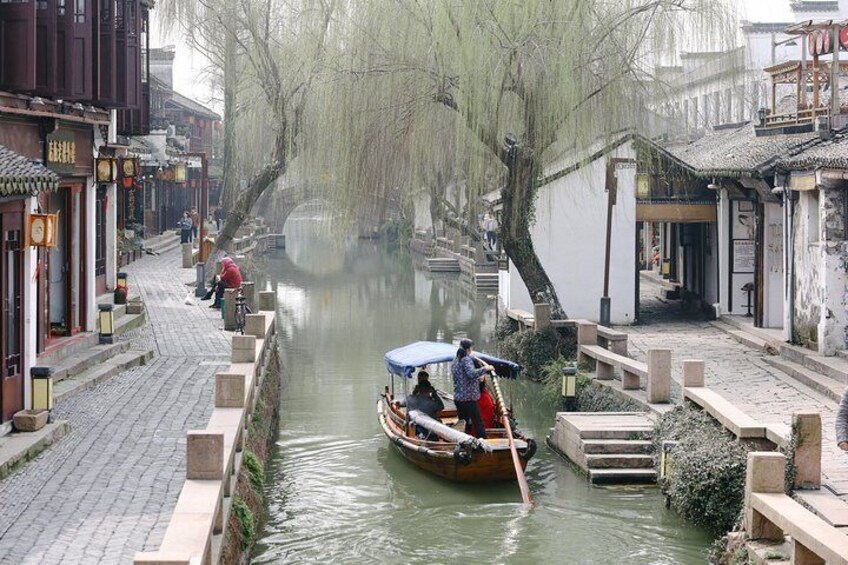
666, 457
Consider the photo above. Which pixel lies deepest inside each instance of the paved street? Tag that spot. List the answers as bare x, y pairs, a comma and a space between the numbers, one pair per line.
737, 372
108, 489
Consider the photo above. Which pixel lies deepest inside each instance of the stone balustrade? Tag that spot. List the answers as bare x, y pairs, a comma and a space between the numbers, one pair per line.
213, 455
771, 515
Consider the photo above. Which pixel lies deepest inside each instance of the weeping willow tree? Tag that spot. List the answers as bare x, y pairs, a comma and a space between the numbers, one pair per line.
275, 49
500, 87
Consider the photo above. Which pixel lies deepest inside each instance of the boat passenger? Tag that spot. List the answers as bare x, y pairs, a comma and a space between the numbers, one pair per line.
487, 407
423, 380
425, 399
466, 390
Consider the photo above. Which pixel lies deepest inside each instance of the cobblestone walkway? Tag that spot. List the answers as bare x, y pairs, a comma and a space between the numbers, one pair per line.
737, 372
108, 489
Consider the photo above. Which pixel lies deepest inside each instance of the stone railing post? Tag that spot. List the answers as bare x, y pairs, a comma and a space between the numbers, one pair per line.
230, 308
204, 456
229, 390
244, 348
542, 316
248, 289
587, 334
807, 440
200, 279
187, 255
254, 325
658, 388
693, 373
765, 473
267, 301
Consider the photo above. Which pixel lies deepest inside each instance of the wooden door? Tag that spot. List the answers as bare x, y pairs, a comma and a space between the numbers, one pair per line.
11, 315
17, 45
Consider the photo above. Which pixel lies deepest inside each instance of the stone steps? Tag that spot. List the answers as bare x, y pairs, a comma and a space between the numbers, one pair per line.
622, 476
84, 360
443, 265
834, 368
607, 446
745, 338
162, 243
619, 461
816, 381
610, 447
99, 373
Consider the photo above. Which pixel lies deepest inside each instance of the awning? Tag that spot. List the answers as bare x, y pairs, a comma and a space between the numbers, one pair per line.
22, 176
403, 361
675, 212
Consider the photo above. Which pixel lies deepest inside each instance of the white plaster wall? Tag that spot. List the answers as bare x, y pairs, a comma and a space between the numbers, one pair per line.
30, 310
833, 324
808, 290
89, 225
773, 267
569, 236
111, 236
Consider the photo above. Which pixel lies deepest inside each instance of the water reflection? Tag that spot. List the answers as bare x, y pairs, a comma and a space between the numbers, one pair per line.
339, 493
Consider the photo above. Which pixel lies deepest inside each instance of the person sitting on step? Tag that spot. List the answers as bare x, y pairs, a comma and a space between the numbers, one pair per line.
230, 277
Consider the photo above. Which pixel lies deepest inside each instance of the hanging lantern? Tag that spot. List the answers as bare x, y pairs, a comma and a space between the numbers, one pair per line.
107, 169
180, 172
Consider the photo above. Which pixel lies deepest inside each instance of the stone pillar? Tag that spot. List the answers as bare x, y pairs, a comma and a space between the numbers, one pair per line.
204, 456
230, 308
248, 289
254, 325
807, 439
587, 334
187, 255
542, 315
618, 346
658, 389
693, 373
267, 301
244, 348
765, 473
200, 280
229, 390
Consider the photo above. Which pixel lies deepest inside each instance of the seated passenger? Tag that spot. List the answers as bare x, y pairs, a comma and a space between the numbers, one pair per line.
426, 400
486, 404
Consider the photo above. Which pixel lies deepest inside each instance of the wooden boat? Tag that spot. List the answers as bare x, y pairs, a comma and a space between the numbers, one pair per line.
454, 455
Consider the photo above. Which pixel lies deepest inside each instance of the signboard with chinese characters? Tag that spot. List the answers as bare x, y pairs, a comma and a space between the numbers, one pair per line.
42, 230
61, 152
743, 255
133, 211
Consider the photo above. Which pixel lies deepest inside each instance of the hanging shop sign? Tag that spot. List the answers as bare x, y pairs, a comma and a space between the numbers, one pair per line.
820, 42
133, 200
61, 152
107, 169
42, 230
180, 172
129, 170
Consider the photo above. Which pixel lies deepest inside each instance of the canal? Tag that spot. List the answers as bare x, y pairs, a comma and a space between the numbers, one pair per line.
338, 493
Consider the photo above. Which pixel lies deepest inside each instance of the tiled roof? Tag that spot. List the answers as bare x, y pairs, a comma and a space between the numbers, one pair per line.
19, 175
735, 151
830, 154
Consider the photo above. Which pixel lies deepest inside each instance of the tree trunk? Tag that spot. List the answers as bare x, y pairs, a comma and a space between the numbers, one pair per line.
518, 197
230, 190
242, 207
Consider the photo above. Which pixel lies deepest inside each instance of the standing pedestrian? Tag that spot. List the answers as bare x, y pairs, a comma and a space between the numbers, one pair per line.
842, 423
466, 389
219, 216
491, 225
185, 228
195, 223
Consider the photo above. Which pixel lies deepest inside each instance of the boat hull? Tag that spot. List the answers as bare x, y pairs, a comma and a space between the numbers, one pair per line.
440, 460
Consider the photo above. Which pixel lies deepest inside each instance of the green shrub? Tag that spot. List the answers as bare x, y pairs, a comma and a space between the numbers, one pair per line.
244, 517
706, 480
535, 349
254, 470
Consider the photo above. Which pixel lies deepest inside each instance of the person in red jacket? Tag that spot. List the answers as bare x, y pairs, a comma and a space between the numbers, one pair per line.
230, 277
486, 404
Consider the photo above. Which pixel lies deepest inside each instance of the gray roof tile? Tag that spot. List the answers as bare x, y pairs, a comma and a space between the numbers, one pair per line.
830, 154
20, 175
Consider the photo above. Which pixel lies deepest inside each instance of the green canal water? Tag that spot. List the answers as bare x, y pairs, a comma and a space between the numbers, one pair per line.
338, 493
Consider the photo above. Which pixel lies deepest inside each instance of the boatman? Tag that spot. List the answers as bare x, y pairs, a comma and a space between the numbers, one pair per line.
466, 388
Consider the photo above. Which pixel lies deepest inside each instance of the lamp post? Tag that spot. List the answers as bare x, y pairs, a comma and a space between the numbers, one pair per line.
42, 389
204, 195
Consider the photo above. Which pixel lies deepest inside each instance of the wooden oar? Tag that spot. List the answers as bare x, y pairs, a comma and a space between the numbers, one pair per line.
519, 471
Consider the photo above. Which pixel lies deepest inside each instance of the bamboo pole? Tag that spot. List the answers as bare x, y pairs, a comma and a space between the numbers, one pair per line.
519, 472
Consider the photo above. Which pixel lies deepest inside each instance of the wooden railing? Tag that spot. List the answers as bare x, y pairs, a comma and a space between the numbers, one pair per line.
214, 455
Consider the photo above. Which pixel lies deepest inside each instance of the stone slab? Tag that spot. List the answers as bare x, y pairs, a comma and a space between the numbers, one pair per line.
17, 448
829, 507
732, 418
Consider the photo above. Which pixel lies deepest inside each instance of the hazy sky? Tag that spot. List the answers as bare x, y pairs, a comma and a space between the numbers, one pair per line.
189, 65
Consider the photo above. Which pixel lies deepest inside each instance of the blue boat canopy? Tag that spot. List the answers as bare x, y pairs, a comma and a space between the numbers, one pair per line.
403, 361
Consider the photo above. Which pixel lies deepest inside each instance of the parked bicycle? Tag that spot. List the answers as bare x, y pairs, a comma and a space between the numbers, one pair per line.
242, 310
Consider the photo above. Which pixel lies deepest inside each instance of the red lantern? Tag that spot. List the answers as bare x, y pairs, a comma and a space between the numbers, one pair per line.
819, 43
843, 38
827, 38
811, 42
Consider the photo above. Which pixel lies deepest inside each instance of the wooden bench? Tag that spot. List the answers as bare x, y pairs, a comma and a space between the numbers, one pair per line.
736, 421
